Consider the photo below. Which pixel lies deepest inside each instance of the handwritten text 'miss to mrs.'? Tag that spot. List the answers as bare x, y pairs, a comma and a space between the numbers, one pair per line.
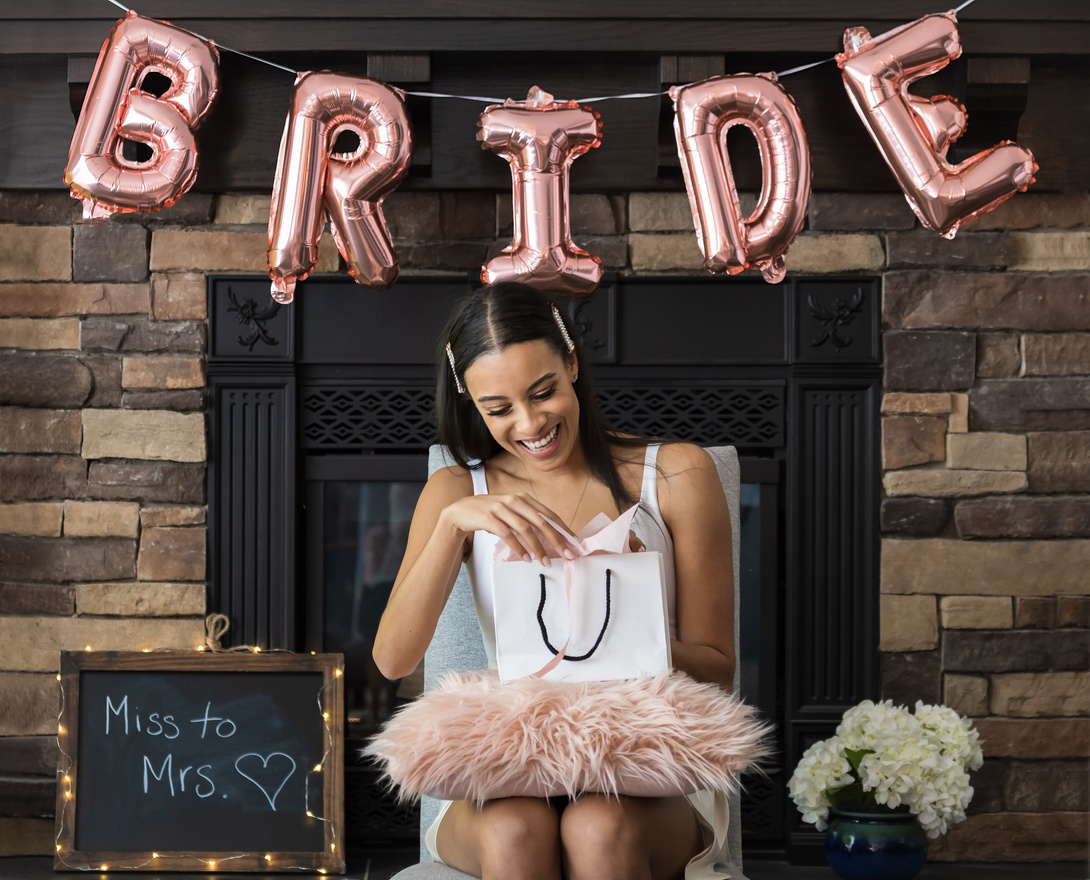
158, 724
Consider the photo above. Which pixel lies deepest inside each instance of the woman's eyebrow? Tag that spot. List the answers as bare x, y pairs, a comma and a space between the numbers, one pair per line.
493, 397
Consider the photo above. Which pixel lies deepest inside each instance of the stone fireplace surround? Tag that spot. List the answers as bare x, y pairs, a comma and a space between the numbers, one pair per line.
982, 591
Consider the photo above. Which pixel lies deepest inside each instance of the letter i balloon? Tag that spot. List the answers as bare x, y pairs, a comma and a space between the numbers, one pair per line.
913, 133
540, 138
118, 108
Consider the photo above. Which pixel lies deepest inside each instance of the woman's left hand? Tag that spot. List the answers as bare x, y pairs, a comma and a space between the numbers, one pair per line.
635, 545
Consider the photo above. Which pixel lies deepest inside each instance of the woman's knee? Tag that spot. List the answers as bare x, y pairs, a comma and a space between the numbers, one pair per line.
601, 837
520, 837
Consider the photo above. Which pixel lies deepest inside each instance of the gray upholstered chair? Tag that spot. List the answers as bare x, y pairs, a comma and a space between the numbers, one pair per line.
457, 647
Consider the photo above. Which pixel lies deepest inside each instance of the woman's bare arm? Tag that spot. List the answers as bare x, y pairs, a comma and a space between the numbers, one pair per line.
433, 553
446, 515
695, 510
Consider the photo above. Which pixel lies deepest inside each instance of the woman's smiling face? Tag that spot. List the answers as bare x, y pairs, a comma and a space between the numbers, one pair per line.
524, 394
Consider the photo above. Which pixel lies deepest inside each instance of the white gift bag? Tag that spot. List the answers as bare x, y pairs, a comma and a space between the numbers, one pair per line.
599, 617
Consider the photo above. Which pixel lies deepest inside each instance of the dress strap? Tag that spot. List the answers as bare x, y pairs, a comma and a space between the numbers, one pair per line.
649, 494
480, 480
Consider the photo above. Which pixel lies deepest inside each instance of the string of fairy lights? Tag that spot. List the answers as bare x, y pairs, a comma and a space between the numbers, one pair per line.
159, 860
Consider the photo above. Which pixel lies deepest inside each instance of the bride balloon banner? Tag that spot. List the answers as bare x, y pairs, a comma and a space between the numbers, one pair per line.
312, 181
913, 133
703, 112
540, 139
118, 109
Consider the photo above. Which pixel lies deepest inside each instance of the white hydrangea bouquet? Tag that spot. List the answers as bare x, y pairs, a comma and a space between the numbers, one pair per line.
885, 756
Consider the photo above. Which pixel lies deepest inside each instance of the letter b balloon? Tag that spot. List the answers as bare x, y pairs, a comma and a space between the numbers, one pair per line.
117, 109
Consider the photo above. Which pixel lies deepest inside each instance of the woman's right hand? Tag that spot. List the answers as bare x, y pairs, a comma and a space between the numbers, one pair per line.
520, 521
446, 515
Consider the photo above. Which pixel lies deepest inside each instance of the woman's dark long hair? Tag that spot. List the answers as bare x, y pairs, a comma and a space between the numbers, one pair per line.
487, 321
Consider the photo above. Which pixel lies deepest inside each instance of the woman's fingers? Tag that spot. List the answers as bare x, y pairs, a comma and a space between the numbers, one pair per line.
522, 540
556, 540
635, 545
532, 522
521, 522
524, 529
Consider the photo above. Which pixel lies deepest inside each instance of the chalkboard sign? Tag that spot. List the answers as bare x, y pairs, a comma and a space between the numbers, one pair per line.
201, 762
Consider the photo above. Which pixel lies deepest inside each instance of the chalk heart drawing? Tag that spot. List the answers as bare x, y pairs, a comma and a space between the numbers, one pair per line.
268, 777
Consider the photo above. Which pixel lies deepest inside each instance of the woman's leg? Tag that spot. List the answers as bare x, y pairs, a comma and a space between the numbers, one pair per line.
628, 838
506, 839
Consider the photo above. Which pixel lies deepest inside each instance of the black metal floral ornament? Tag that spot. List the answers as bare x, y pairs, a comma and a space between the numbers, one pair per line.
254, 316
835, 317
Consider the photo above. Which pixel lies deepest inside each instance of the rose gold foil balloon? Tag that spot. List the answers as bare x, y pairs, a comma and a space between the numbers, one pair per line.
540, 139
913, 133
312, 181
703, 112
117, 109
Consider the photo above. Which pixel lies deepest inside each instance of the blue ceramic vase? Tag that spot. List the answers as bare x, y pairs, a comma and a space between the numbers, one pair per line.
875, 845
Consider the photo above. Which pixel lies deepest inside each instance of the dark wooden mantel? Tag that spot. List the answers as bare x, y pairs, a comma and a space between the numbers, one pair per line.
1056, 27
1024, 68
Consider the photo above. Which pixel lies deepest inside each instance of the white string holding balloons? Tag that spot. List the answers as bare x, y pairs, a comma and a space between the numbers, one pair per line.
486, 100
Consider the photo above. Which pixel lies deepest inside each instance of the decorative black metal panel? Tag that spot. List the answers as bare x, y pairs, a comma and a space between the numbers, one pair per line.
343, 417
373, 815
369, 417
697, 320
836, 590
749, 415
252, 508
832, 567
836, 321
247, 324
595, 318
762, 798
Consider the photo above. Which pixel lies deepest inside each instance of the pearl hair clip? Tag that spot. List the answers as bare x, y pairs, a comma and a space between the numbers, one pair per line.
563, 330
454, 370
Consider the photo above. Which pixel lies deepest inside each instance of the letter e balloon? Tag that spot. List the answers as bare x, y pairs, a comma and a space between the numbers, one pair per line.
118, 109
313, 181
914, 133
703, 112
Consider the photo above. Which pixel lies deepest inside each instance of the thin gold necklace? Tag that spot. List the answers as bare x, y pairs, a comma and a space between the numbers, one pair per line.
569, 525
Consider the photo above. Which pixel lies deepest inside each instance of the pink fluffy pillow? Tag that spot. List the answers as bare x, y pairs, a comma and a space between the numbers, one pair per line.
472, 738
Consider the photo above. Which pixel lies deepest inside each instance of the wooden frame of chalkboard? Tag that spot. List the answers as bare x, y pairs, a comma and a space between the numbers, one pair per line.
201, 762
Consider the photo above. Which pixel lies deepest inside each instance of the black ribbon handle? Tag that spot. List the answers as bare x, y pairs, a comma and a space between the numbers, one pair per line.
545, 632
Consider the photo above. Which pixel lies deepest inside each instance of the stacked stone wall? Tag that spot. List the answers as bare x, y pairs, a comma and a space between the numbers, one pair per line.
985, 579
102, 469
985, 572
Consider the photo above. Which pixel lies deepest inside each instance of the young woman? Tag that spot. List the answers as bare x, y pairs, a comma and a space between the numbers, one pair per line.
514, 395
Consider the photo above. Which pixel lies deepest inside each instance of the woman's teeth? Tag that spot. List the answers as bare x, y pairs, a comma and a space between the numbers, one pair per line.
538, 445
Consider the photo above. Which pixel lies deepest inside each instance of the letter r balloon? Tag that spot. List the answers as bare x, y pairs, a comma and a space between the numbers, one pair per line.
312, 181
540, 139
117, 108
913, 133
703, 112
